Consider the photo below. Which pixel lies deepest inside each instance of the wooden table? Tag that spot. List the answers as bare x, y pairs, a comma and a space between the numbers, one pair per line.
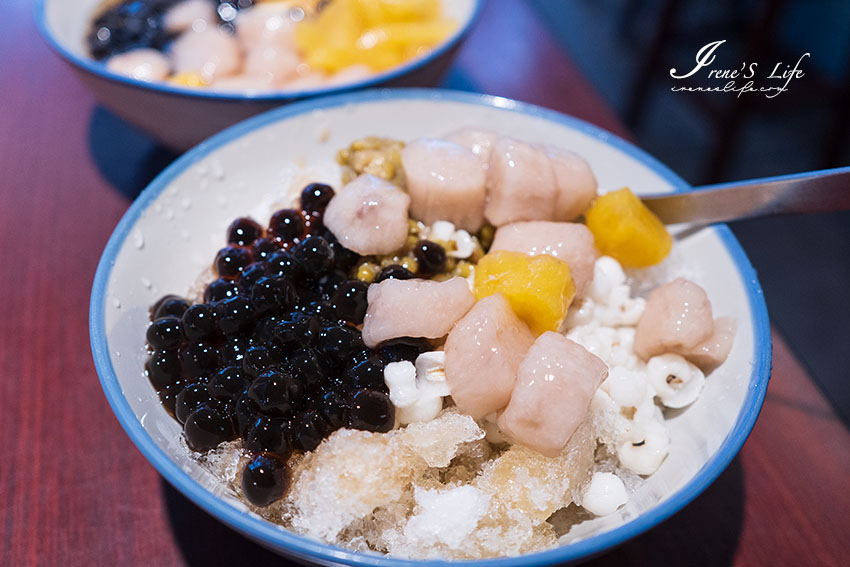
75, 491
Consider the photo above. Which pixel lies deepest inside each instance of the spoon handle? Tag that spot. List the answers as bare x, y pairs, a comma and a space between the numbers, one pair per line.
827, 190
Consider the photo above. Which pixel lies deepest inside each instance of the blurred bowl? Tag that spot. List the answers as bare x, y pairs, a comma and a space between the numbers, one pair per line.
169, 235
181, 117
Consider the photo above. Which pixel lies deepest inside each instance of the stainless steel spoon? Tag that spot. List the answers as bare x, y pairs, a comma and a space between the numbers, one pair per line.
827, 190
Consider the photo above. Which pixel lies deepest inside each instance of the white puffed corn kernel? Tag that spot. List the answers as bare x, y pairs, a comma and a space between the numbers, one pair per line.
620, 308
417, 390
425, 408
627, 388
607, 273
607, 336
604, 494
441, 230
646, 411
400, 378
626, 338
644, 448
464, 243
622, 349
621, 356
431, 374
676, 381
628, 310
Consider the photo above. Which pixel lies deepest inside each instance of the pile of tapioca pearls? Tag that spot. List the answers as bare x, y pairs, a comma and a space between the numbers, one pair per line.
273, 354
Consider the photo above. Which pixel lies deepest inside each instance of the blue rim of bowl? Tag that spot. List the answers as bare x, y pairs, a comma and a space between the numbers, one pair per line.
98, 69
312, 550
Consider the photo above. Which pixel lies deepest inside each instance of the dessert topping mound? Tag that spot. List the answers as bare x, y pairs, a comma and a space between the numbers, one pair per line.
394, 373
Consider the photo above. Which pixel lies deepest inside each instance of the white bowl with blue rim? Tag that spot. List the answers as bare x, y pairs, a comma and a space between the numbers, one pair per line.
181, 117
172, 231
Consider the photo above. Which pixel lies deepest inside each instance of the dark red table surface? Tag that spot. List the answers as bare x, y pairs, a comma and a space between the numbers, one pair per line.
75, 491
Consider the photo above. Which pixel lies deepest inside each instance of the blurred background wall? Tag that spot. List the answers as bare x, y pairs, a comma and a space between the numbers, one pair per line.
627, 47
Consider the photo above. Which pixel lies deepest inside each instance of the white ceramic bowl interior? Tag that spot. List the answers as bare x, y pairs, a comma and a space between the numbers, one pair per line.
172, 232
181, 117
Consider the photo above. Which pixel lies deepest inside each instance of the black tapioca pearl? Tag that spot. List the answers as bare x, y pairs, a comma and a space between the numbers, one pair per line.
371, 410
198, 359
244, 231
207, 427
268, 434
169, 305
231, 260
265, 479
316, 196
